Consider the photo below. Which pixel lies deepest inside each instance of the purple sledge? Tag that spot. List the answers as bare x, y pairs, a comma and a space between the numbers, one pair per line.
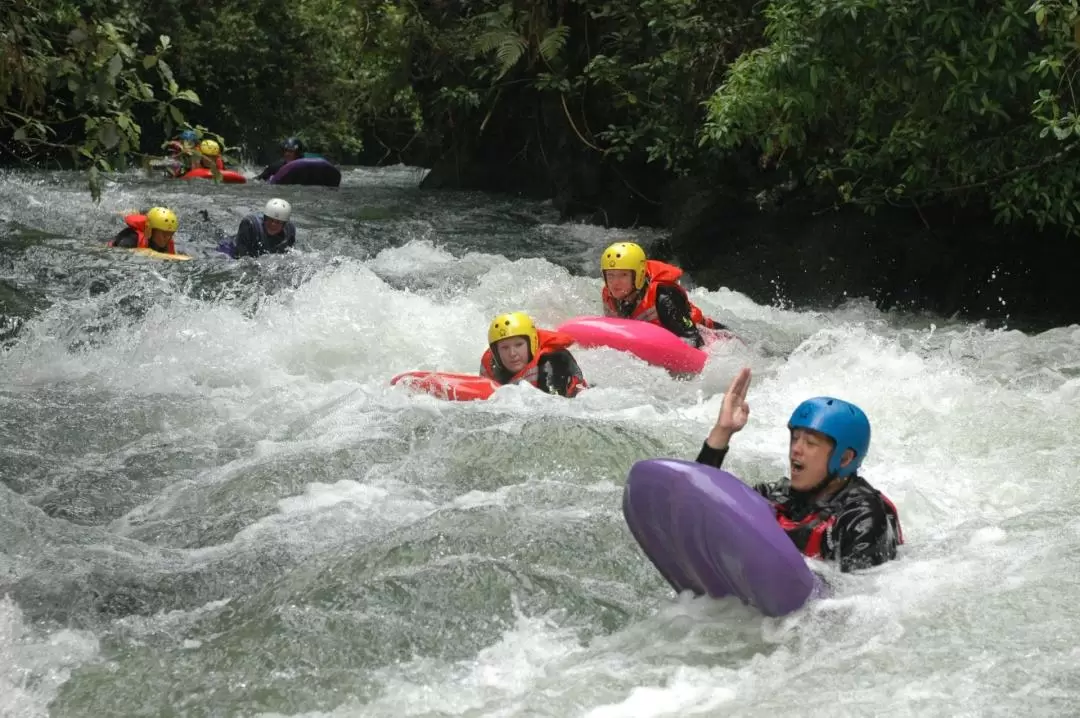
708, 532
308, 170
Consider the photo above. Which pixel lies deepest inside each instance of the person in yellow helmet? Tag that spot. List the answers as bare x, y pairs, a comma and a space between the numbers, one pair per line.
518, 353
210, 152
181, 151
636, 287
153, 230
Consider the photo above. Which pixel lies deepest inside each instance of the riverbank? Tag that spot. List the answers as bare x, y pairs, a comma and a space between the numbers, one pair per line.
797, 248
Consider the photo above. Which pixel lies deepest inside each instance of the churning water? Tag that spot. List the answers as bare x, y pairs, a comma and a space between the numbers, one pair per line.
212, 503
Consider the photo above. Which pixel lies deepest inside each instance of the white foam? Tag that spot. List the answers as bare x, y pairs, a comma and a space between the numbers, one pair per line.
33, 666
973, 439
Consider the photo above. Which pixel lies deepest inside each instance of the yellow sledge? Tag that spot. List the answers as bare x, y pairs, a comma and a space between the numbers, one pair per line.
147, 252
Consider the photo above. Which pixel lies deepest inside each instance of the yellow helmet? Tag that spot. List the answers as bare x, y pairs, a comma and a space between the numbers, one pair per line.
210, 148
514, 324
625, 255
163, 219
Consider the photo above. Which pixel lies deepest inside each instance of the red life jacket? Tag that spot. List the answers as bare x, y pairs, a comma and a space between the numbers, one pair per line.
138, 223
217, 160
548, 342
808, 534
657, 274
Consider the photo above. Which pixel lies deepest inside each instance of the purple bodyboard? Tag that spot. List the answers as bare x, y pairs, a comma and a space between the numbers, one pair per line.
308, 170
708, 532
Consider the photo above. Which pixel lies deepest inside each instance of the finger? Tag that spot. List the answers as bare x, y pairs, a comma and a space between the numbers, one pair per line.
733, 387
741, 383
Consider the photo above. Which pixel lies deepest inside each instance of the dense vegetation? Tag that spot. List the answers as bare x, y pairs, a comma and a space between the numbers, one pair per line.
872, 102
73, 78
916, 101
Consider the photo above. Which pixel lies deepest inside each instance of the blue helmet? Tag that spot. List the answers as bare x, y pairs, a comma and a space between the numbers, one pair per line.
292, 143
844, 423
189, 136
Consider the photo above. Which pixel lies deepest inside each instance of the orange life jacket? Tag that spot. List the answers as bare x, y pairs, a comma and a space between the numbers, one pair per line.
657, 274
548, 342
138, 223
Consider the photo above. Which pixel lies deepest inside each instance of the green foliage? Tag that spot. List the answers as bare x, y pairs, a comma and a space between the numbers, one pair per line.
654, 64
628, 77
319, 69
915, 102
516, 34
72, 79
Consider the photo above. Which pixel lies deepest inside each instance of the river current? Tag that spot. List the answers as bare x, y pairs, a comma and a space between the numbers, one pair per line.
212, 503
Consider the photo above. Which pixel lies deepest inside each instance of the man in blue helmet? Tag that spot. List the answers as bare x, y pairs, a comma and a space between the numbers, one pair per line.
292, 148
826, 508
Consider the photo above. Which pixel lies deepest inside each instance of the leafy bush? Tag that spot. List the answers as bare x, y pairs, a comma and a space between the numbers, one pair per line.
915, 102
72, 79
627, 77
320, 69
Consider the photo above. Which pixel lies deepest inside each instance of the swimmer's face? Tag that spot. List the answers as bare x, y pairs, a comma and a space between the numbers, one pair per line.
809, 453
620, 282
513, 353
273, 226
159, 239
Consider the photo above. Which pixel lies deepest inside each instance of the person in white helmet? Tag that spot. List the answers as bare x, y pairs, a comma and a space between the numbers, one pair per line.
266, 232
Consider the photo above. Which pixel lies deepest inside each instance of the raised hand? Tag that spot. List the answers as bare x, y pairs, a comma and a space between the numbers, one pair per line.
734, 411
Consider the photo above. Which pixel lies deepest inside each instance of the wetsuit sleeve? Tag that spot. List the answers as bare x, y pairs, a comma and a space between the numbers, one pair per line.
127, 238
710, 456
862, 536
715, 325
673, 310
271, 170
247, 240
560, 374
715, 458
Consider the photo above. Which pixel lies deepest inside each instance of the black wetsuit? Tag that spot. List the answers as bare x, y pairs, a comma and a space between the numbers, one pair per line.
557, 373
673, 311
128, 238
252, 239
271, 170
866, 530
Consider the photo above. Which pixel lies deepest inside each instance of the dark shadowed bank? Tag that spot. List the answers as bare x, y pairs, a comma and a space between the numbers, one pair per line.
800, 250
804, 254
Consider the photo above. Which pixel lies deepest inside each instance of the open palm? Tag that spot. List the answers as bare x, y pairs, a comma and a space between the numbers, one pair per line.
734, 412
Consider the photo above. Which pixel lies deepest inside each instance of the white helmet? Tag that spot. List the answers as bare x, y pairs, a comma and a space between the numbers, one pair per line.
278, 209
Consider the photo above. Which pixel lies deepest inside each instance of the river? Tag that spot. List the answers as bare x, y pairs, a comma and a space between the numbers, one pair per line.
212, 503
